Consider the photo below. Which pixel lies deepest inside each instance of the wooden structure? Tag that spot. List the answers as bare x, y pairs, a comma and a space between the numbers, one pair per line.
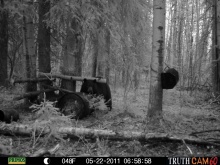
42, 77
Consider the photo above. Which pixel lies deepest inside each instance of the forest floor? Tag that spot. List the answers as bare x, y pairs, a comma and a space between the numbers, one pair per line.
182, 114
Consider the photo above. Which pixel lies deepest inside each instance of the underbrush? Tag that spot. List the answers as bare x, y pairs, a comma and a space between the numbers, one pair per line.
184, 114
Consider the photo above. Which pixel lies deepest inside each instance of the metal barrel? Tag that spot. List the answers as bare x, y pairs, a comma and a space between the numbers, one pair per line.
74, 104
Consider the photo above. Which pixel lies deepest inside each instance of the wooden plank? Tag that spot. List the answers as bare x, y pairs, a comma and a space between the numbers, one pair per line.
30, 94
76, 78
32, 80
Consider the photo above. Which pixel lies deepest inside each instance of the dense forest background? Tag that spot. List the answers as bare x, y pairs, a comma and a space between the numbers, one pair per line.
106, 38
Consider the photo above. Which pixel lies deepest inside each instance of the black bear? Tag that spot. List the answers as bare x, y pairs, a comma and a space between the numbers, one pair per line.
169, 79
96, 88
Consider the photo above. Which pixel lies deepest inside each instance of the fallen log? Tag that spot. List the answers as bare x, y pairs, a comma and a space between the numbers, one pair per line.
30, 94
106, 134
76, 78
32, 80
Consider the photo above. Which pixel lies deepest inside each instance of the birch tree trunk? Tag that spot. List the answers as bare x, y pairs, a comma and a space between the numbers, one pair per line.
170, 37
156, 67
174, 34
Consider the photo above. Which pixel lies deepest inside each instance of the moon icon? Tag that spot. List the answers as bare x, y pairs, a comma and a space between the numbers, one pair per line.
46, 161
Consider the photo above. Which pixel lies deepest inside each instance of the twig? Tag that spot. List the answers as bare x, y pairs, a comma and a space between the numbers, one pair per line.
187, 146
213, 130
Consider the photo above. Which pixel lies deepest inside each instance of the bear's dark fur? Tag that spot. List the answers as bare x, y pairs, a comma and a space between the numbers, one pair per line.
96, 88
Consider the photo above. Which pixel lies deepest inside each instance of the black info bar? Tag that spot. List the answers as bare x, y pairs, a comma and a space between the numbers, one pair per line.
110, 160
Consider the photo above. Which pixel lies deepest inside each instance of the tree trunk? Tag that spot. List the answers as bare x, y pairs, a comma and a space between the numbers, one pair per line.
44, 42
136, 77
101, 50
95, 54
68, 67
170, 38
187, 40
78, 45
116, 78
3, 44
174, 50
125, 47
191, 73
203, 46
216, 47
198, 43
108, 51
179, 37
30, 56
43, 38
156, 92
72, 60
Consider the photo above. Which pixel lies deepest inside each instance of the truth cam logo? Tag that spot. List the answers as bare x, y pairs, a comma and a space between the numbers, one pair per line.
194, 161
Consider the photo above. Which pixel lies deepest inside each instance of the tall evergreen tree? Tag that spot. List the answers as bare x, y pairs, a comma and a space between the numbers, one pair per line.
3, 43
